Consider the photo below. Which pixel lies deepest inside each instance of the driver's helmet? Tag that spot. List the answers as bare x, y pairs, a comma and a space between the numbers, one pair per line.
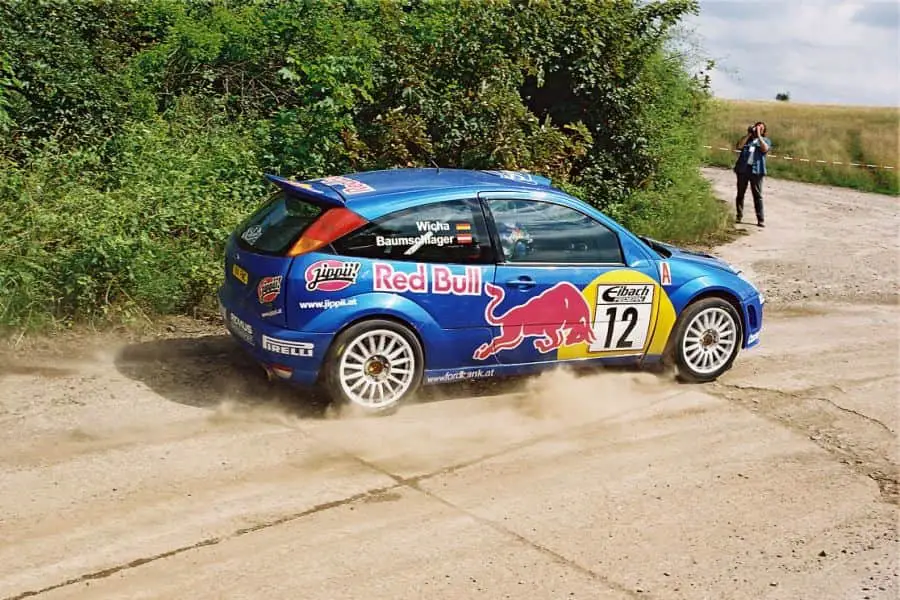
514, 240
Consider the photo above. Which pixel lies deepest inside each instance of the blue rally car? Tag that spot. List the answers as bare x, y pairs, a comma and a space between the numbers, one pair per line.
371, 284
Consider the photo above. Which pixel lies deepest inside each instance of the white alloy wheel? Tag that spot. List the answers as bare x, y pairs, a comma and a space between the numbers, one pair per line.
709, 340
377, 368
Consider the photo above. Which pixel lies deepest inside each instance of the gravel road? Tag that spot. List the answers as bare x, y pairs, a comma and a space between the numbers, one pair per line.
169, 467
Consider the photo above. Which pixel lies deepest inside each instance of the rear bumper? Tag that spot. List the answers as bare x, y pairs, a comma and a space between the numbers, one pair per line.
286, 354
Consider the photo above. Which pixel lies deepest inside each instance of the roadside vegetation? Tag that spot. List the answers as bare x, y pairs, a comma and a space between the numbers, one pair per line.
844, 134
134, 134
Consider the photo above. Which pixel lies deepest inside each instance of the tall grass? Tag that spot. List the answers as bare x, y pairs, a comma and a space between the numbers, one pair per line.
844, 134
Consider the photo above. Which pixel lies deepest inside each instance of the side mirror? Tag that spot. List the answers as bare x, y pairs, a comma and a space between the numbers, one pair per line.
633, 254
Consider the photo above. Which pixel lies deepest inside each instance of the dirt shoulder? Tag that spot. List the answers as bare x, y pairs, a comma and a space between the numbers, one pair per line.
165, 465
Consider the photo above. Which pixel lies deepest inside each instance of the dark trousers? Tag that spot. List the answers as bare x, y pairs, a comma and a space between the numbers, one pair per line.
756, 185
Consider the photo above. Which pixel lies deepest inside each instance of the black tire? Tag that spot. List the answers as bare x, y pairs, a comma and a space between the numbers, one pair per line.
687, 371
337, 391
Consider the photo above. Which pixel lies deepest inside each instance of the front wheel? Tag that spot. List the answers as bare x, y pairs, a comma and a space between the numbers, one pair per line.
373, 366
707, 340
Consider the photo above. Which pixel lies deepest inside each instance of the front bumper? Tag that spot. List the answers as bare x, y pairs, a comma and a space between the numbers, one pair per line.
291, 355
753, 319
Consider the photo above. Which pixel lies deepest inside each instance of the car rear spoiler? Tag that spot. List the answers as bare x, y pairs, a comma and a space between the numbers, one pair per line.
314, 192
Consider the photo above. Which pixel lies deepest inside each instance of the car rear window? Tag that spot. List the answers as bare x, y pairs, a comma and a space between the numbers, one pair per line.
276, 225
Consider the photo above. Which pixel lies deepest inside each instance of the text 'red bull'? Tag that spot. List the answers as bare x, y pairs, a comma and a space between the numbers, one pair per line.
556, 317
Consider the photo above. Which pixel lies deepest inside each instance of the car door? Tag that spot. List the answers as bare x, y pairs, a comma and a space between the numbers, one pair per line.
438, 255
562, 289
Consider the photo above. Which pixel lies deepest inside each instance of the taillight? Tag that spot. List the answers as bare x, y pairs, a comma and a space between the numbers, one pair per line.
333, 224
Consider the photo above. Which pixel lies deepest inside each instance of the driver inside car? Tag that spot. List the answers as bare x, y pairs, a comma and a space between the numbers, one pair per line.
514, 238
515, 241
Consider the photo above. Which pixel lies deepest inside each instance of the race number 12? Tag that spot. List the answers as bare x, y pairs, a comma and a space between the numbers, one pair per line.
622, 317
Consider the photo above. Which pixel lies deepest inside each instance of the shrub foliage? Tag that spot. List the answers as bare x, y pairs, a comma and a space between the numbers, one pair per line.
135, 133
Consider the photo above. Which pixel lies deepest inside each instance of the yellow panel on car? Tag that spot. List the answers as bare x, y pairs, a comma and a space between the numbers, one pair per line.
630, 313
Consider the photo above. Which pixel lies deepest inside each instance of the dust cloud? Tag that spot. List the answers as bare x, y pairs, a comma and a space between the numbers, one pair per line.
233, 410
462, 427
565, 395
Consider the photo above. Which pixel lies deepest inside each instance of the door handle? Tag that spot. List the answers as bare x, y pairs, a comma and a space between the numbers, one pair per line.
523, 283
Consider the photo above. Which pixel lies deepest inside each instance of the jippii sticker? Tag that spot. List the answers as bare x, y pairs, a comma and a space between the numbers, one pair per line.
331, 275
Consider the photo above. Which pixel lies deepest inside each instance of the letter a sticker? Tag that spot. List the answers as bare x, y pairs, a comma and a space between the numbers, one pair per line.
665, 276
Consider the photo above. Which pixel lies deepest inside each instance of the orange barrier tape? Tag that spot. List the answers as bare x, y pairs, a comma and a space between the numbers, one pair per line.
809, 160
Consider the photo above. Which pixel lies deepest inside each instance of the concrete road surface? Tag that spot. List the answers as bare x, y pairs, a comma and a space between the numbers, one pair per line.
169, 468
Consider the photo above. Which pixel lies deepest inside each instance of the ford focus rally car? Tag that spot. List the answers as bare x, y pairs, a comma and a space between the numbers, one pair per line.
371, 284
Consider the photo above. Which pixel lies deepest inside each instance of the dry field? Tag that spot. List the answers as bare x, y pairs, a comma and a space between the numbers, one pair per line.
844, 134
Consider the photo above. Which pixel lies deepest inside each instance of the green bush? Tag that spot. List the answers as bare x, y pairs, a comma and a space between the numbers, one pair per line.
83, 234
136, 133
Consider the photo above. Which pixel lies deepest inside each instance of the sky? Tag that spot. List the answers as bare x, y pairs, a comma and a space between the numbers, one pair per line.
819, 51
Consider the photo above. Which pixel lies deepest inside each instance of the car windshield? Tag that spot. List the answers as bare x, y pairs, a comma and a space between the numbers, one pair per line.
277, 224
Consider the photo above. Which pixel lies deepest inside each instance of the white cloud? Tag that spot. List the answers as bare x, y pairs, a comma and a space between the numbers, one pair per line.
828, 51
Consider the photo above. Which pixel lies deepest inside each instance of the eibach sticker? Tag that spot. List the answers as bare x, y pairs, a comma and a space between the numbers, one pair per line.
348, 186
331, 275
268, 289
665, 275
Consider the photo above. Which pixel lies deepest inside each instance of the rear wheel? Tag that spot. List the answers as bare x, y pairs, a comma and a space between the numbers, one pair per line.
373, 367
707, 340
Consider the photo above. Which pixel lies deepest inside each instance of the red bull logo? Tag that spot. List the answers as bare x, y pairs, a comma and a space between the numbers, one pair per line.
556, 317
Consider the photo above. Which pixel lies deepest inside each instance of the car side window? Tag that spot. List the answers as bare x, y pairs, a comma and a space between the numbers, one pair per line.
532, 231
453, 231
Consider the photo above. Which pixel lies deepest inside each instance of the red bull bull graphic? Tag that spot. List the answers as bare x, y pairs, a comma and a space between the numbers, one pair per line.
556, 317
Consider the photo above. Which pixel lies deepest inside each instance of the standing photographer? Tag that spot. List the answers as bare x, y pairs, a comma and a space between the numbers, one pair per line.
751, 168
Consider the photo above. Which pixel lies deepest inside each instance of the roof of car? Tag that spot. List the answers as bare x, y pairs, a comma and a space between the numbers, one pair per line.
376, 185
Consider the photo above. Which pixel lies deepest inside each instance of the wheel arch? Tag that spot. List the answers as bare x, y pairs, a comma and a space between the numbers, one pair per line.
381, 317
724, 295
720, 293
377, 317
